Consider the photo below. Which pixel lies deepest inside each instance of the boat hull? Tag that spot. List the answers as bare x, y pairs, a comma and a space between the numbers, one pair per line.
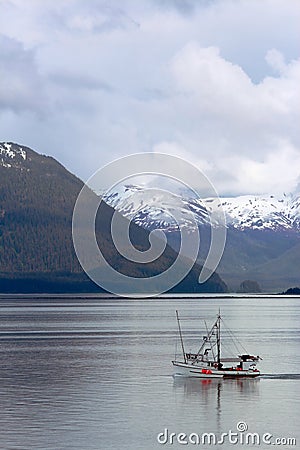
241, 373
197, 371
189, 370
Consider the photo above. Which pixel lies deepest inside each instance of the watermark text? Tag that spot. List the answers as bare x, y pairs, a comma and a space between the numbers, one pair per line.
239, 436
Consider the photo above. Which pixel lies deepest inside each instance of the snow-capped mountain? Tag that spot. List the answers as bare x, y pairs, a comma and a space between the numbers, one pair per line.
152, 209
263, 239
263, 232
263, 212
37, 253
257, 212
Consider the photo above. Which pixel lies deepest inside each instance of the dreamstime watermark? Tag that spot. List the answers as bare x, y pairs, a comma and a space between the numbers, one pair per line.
104, 180
239, 436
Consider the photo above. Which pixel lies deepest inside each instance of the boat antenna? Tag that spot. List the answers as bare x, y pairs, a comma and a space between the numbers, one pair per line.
180, 334
218, 325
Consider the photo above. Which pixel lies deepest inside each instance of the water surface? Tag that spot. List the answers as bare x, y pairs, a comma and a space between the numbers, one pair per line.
95, 373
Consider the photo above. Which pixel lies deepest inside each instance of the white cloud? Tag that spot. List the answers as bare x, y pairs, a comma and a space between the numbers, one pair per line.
242, 124
276, 172
276, 60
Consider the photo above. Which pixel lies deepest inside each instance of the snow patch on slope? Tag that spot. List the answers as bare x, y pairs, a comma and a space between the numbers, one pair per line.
11, 155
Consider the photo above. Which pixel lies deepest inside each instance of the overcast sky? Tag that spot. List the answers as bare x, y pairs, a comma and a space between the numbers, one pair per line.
214, 81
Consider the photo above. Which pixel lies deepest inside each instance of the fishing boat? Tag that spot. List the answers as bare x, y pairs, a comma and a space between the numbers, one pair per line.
208, 361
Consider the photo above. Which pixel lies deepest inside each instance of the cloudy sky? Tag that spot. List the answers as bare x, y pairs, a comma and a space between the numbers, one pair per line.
216, 82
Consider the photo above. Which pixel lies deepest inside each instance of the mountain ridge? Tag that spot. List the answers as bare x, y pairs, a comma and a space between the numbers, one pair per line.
37, 198
262, 231
242, 212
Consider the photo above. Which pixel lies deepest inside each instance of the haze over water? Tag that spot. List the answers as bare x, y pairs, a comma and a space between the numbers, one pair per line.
96, 373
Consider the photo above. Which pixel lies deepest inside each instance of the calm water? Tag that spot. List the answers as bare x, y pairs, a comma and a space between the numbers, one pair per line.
96, 374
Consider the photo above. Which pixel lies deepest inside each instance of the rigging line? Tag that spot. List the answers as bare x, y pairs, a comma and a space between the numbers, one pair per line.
234, 338
237, 349
207, 338
180, 334
226, 347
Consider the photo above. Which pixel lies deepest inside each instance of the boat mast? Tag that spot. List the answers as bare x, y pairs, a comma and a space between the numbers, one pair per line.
208, 337
218, 325
180, 334
211, 346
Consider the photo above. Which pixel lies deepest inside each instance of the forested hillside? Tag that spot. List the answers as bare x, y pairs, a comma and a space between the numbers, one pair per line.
37, 197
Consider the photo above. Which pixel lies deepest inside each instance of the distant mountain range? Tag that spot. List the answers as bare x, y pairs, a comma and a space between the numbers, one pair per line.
263, 233
37, 197
246, 212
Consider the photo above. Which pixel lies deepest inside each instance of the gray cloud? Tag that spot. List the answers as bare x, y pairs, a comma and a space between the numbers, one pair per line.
72, 81
20, 84
216, 82
182, 6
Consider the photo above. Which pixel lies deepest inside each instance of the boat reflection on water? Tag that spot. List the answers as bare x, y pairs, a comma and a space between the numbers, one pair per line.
193, 387
216, 399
